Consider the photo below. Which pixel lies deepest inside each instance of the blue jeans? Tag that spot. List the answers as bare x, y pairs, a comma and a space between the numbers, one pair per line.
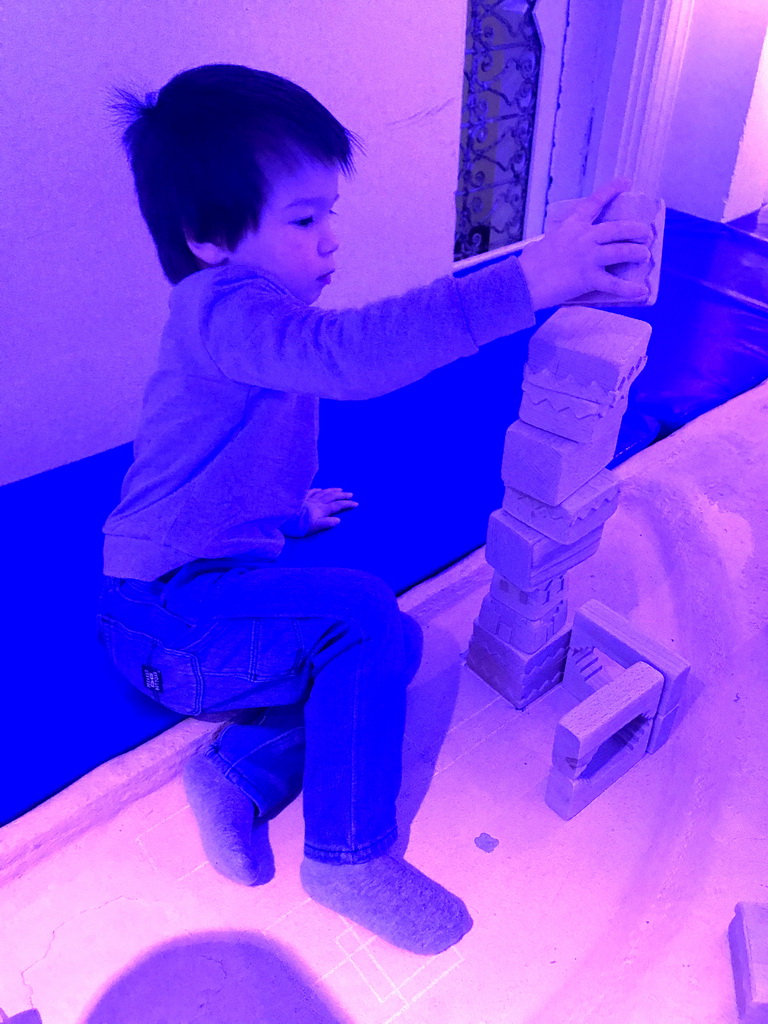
316, 663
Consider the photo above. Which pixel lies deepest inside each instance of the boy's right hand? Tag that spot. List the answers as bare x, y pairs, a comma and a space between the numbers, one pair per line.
571, 258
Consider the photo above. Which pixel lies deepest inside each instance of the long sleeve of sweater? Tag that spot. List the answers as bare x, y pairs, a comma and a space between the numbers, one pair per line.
261, 335
226, 447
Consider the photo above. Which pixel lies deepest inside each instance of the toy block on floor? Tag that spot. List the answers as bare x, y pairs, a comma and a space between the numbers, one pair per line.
578, 419
662, 728
587, 353
596, 626
586, 509
525, 634
518, 676
635, 206
552, 468
526, 557
600, 739
583, 672
748, 940
533, 604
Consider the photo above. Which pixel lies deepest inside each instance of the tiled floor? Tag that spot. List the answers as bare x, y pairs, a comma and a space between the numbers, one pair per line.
618, 916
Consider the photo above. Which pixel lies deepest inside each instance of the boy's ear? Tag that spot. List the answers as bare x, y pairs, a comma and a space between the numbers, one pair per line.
210, 253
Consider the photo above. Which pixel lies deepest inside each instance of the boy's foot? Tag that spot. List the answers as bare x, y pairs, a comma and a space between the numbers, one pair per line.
391, 898
235, 841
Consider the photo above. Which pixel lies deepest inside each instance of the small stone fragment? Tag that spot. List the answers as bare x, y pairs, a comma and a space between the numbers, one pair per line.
486, 843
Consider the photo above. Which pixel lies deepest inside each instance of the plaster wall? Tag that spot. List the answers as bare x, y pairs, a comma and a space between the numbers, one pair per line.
749, 185
84, 297
585, 125
716, 162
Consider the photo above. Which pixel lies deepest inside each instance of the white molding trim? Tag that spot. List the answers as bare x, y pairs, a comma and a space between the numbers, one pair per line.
494, 254
550, 17
650, 99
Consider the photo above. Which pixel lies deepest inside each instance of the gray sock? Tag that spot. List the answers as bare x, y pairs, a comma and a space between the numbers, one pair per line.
235, 841
391, 898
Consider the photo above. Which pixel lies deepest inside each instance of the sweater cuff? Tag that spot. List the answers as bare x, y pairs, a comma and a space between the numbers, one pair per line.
496, 301
296, 526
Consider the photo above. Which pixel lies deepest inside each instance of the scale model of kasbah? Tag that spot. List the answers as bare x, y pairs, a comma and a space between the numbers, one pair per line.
558, 497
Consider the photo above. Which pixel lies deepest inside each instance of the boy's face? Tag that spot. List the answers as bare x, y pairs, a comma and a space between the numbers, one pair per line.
296, 239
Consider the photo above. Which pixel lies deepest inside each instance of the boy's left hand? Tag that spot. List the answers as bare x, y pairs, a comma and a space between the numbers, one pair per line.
315, 514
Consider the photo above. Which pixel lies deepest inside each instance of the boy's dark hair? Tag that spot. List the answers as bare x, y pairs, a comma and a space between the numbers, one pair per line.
198, 150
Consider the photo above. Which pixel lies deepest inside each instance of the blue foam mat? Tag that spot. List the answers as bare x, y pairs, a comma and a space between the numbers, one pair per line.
423, 462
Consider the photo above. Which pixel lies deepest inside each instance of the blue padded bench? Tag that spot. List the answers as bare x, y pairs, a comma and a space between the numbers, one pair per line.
423, 462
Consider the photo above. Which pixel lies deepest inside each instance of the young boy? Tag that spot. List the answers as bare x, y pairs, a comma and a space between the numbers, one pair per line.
236, 173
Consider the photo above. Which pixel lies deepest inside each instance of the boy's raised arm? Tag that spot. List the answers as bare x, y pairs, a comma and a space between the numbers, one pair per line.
259, 335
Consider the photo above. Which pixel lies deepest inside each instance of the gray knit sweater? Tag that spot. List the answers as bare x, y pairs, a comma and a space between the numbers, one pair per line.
226, 447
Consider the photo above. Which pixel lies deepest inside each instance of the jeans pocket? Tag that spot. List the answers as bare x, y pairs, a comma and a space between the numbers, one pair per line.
251, 662
170, 677
280, 649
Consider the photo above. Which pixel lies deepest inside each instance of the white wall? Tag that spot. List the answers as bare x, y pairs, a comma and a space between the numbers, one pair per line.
707, 136
593, 27
83, 294
749, 185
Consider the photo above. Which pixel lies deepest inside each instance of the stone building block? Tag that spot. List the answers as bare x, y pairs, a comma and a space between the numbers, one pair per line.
633, 694
637, 206
748, 940
551, 468
567, 416
625, 206
583, 673
533, 604
525, 634
595, 625
600, 739
662, 728
586, 509
518, 676
605, 400
526, 557
587, 353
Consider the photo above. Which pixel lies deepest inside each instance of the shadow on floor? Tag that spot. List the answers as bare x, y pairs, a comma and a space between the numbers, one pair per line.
428, 718
216, 978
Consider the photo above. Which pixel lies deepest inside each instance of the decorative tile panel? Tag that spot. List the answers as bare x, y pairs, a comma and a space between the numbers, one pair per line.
501, 79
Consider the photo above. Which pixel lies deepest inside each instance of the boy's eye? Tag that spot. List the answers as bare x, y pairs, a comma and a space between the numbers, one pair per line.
306, 221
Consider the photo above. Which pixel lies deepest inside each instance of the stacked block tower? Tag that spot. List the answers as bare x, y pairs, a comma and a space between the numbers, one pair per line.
558, 494
558, 497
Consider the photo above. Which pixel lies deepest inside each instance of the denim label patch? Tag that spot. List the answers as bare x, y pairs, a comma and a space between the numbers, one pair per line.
153, 680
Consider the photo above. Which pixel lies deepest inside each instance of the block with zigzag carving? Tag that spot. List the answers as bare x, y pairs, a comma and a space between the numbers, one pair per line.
568, 416
518, 676
587, 353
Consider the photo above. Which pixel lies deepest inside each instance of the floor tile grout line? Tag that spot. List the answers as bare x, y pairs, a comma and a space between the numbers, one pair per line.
469, 750
409, 1002
162, 821
397, 988
445, 973
358, 968
494, 700
192, 872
